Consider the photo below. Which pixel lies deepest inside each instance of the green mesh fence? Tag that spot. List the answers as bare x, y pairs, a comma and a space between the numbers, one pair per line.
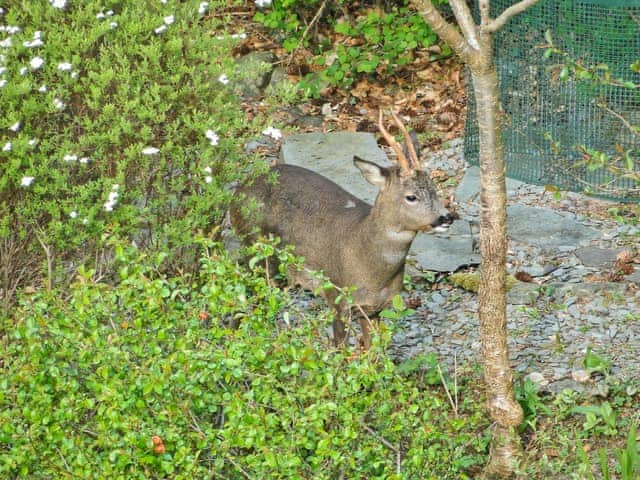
565, 130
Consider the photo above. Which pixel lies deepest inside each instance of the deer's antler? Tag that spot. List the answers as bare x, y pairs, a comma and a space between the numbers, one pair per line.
414, 161
406, 165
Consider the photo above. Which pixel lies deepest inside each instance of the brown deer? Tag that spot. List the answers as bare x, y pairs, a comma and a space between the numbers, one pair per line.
353, 243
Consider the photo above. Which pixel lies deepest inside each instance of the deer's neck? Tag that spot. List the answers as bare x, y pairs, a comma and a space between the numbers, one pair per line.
385, 241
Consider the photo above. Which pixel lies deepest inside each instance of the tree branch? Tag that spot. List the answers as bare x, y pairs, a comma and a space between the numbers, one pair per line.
485, 17
445, 30
497, 24
465, 22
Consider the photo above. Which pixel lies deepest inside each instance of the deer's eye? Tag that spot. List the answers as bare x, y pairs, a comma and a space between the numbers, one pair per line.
411, 198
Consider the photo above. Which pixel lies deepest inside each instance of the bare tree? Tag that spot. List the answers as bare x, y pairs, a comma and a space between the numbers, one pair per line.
473, 44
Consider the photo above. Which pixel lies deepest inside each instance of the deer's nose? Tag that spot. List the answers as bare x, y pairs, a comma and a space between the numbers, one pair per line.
443, 222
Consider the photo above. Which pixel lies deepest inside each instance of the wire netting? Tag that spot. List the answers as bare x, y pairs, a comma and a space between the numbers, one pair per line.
561, 128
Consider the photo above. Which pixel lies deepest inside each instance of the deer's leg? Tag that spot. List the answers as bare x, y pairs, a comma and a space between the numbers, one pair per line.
366, 324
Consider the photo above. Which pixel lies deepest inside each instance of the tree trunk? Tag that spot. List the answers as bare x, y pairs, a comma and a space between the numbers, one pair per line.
505, 411
473, 44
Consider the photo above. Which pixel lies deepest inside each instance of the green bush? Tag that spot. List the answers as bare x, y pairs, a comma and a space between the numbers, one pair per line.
88, 381
378, 40
114, 122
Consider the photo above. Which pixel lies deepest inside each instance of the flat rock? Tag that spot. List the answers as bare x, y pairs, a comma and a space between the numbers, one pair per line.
331, 155
597, 257
545, 228
469, 188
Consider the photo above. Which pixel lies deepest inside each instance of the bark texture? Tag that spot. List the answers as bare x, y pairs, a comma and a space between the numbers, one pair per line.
473, 44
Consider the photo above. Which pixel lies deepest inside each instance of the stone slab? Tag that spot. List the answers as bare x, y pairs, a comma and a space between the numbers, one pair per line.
331, 155
545, 228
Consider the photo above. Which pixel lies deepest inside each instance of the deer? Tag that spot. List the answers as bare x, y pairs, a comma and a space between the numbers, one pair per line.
352, 243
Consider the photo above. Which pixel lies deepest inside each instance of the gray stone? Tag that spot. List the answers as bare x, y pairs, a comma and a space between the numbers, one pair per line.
634, 277
545, 228
331, 155
469, 188
254, 72
523, 293
597, 257
445, 252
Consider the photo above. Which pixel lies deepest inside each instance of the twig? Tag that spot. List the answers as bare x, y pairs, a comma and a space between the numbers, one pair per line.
621, 118
235, 464
313, 21
47, 252
499, 22
446, 389
383, 440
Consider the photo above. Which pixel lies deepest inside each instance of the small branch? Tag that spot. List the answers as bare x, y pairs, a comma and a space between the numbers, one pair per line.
465, 22
49, 256
454, 407
313, 21
485, 17
383, 440
498, 23
624, 121
447, 32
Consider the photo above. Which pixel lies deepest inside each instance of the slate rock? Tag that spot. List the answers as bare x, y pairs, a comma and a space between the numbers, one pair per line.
254, 71
597, 257
331, 155
545, 228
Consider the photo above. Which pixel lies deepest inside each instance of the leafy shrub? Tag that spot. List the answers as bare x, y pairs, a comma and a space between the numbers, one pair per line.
376, 40
146, 380
114, 122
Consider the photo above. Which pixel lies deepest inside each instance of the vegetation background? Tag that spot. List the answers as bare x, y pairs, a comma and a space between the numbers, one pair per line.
122, 134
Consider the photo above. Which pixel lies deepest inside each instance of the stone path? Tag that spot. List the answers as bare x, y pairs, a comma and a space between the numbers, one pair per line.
553, 322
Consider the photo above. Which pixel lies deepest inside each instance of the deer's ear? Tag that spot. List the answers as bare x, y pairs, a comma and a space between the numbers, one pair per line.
372, 172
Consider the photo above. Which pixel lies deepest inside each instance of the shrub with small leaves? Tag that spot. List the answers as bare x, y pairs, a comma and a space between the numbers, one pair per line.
145, 379
115, 121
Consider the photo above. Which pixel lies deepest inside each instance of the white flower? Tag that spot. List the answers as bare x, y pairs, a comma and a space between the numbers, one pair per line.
207, 170
33, 43
3, 82
73, 214
169, 20
263, 3
15, 127
58, 3
32, 142
212, 136
36, 62
70, 157
43, 88
83, 160
112, 198
26, 181
100, 15
2, 70
115, 186
113, 25
160, 29
109, 13
150, 150
208, 179
203, 7
241, 36
273, 133
85, 220
59, 104
6, 43
74, 74
24, 70
223, 79
7, 147
163, 1
65, 67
